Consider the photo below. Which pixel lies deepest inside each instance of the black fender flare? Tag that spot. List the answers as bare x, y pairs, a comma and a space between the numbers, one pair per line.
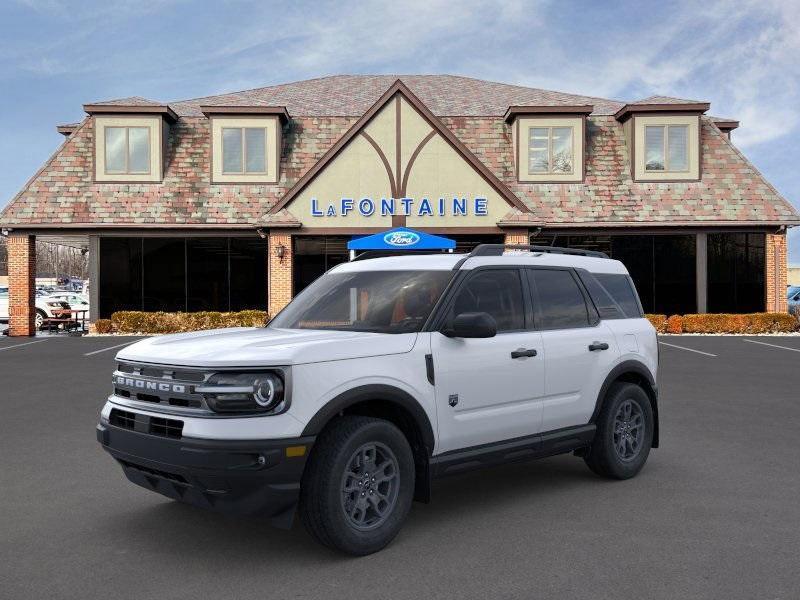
637, 368
363, 393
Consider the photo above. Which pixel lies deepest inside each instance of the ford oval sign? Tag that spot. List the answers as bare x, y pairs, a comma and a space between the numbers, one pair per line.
401, 239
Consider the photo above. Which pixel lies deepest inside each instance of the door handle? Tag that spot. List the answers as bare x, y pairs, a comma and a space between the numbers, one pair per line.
523, 352
598, 346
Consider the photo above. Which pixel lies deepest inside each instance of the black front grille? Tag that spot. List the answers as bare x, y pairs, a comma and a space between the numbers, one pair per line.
171, 428
122, 418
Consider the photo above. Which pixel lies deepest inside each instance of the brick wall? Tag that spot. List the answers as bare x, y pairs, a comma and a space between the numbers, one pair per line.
516, 236
776, 273
280, 271
21, 284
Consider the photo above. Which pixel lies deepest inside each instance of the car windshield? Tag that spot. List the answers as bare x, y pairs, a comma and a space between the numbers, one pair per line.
374, 301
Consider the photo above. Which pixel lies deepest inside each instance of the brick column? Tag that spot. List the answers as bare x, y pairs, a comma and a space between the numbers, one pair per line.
21, 284
516, 236
280, 271
775, 273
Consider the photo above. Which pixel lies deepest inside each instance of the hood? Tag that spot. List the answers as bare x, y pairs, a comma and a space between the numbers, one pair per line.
250, 347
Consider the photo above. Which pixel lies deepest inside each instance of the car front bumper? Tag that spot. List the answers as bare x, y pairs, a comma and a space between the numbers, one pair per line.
249, 477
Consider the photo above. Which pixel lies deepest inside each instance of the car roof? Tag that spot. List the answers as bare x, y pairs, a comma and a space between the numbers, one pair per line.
446, 262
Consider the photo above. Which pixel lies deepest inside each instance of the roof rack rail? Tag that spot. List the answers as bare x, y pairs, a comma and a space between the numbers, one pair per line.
499, 249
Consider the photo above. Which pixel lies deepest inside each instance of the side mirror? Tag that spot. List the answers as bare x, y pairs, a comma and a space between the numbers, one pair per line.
472, 325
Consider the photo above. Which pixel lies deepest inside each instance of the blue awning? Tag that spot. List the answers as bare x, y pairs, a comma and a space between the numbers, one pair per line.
401, 238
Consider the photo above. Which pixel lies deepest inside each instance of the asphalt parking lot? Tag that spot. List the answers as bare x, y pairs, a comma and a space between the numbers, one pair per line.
715, 513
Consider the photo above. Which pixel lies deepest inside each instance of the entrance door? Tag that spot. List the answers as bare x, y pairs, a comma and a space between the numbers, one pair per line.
484, 393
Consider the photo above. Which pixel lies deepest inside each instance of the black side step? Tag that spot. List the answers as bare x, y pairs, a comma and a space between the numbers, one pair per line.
540, 445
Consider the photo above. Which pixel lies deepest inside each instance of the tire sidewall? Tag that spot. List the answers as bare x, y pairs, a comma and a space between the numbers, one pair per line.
346, 536
619, 394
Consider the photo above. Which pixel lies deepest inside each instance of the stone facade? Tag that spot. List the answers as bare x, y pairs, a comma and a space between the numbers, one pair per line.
22, 284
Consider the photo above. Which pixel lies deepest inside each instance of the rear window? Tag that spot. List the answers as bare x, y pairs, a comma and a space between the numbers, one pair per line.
623, 292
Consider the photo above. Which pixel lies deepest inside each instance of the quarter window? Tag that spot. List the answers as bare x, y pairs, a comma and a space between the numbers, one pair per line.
666, 147
244, 150
496, 292
561, 302
127, 150
550, 150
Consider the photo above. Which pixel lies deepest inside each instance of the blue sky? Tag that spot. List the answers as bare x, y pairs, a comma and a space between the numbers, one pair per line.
56, 55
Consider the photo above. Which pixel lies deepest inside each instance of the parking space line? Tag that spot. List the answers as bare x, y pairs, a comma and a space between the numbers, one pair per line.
687, 349
110, 348
771, 345
20, 345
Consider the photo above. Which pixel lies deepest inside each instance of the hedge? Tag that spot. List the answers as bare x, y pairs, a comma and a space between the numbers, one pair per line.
726, 323
132, 321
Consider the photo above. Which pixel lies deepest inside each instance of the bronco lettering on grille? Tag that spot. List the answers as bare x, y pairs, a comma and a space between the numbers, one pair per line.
144, 384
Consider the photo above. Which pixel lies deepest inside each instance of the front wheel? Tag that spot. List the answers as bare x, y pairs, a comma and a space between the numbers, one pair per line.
39, 318
624, 433
358, 486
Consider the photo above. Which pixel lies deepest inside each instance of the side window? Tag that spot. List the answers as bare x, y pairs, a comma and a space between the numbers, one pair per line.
496, 292
621, 289
607, 307
561, 302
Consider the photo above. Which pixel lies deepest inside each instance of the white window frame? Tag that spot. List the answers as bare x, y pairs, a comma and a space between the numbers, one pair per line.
127, 129
550, 170
244, 171
665, 148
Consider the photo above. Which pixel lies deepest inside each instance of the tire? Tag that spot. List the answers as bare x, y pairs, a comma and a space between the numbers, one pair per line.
333, 496
39, 318
622, 444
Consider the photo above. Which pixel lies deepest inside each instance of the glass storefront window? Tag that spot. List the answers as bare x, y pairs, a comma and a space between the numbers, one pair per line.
736, 272
180, 274
663, 267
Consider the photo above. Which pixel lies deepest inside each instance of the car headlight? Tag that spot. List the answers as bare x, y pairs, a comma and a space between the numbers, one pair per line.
244, 393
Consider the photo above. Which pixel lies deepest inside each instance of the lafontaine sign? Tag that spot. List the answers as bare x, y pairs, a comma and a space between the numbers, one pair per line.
422, 207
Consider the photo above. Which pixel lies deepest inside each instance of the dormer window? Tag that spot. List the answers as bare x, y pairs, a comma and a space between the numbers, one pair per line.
127, 150
550, 150
666, 148
548, 142
244, 150
129, 140
245, 143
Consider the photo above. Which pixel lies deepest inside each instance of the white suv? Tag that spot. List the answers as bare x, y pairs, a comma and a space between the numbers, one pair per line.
384, 374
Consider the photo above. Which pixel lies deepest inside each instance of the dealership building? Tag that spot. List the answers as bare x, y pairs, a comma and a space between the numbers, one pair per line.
240, 200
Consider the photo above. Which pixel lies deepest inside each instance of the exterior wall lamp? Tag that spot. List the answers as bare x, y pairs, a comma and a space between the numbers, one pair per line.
280, 252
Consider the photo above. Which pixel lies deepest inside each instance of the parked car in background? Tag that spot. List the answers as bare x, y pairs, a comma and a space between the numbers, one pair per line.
76, 301
47, 307
793, 296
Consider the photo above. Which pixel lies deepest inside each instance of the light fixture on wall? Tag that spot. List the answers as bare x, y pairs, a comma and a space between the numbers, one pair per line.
280, 252
261, 233
5, 231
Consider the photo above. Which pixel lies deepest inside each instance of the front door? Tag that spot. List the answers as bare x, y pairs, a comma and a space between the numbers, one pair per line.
489, 389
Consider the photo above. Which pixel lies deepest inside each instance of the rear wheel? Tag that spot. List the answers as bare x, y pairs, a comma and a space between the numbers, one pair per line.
624, 433
358, 486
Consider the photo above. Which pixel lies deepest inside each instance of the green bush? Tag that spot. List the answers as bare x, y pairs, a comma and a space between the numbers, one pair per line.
132, 321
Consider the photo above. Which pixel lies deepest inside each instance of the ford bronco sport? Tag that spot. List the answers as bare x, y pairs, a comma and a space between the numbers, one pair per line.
385, 374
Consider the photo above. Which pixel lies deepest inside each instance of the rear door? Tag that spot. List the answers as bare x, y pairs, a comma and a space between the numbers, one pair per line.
579, 349
489, 389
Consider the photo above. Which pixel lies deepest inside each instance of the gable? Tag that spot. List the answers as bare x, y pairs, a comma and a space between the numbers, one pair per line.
396, 162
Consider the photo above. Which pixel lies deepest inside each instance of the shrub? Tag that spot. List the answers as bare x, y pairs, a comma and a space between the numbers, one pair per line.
747, 323
674, 324
103, 326
131, 321
659, 322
